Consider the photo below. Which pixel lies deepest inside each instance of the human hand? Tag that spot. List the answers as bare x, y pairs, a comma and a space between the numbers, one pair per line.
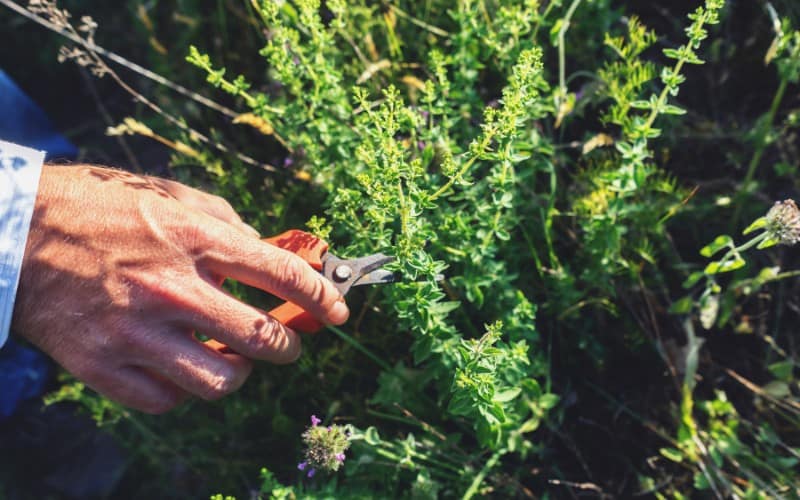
121, 270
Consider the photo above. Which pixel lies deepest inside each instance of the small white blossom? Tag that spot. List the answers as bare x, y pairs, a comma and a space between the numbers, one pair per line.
783, 222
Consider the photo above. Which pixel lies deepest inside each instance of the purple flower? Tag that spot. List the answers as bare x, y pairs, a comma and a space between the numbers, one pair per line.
421, 145
425, 114
340, 457
302, 466
288, 162
315, 421
311, 473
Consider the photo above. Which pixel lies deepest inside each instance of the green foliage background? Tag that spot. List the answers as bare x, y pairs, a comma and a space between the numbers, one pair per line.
561, 164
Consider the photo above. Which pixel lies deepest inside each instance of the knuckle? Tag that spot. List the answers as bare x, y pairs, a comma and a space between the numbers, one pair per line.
196, 234
266, 339
223, 204
261, 339
317, 291
191, 234
290, 273
202, 235
221, 382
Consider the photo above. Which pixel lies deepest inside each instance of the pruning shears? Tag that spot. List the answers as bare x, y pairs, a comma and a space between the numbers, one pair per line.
343, 273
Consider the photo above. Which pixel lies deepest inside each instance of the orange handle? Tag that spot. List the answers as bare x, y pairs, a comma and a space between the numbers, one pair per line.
296, 318
311, 249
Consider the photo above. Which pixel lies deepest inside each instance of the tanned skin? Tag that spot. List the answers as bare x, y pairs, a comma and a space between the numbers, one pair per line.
121, 271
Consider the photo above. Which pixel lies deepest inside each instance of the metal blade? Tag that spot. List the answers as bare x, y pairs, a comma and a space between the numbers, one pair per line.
344, 273
381, 276
376, 277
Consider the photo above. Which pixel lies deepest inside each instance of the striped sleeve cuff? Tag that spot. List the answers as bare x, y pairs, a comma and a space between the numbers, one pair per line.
20, 169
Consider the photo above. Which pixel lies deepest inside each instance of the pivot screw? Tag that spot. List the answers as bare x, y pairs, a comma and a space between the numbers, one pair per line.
342, 273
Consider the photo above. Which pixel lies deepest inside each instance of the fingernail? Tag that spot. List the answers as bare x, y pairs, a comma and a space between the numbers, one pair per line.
340, 312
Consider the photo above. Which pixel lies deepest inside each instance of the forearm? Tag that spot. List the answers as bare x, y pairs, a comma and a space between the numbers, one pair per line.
20, 169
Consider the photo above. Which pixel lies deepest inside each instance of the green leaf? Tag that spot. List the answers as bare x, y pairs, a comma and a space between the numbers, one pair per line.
701, 482
672, 53
507, 395
720, 242
759, 223
669, 109
548, 401
532, 387
555, 30
693, 279
682, 305
372, 437
767, 274
726, 304
520, 156
769, 242
530, 425
442, 308
723, 267
782, 370
672, 454
778, 389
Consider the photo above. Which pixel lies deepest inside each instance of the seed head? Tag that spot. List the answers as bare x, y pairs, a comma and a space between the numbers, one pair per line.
783, 222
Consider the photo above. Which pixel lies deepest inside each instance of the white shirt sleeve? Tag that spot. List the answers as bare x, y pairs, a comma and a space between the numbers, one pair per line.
20, 169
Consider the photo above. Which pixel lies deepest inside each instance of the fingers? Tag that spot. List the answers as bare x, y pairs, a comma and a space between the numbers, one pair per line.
212, 205
194, 366
136, 388
276, 271
245, 329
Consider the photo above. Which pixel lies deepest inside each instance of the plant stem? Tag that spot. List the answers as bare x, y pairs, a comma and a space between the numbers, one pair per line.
760, 148
360, 348
750, 244
476, 483
487, 139
447, 471
738, 250
562, 58
759, 152
662, 98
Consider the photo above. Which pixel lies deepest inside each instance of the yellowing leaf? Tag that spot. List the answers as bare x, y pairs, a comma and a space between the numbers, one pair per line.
565, 106
372, 69
413, 81
144, 17
256, 122
390, 18
370, 43
303, 176
598, 141
158, 46
772, 51
185, 149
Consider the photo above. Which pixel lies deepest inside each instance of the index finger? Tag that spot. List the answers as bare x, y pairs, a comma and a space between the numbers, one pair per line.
277, 271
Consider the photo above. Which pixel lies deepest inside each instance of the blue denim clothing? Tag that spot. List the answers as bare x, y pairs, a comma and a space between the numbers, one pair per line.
23, 371
23, 122
23, 374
